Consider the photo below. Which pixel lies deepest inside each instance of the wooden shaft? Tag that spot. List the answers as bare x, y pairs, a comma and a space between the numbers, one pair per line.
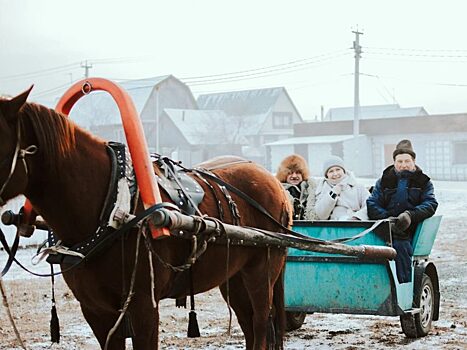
177, 221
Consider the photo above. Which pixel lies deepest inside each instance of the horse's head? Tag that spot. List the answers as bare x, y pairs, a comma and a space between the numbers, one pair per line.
13, 169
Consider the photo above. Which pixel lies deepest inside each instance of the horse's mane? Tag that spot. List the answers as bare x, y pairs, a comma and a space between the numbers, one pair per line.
54, 131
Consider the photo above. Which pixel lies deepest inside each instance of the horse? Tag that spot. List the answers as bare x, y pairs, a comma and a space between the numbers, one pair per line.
65, 171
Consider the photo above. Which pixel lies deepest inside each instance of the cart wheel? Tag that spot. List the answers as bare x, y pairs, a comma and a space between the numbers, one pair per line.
419, 325
294, 320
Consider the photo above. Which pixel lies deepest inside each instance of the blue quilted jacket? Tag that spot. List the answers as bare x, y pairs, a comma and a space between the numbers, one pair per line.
396, 192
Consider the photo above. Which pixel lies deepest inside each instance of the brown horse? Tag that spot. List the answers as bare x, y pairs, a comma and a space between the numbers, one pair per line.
66, 179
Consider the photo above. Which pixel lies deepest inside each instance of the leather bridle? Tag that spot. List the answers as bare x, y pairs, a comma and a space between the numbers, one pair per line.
18, 154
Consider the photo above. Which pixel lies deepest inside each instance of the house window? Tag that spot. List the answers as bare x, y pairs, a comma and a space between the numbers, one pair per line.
281, 120
460, 152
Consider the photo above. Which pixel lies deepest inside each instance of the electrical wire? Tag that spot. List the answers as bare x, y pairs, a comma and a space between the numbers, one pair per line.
260, 71
262, 74
41, 72
264, 68
414, 50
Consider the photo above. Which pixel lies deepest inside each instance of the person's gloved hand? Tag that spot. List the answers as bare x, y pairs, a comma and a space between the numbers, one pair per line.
398, 233
403, 221
337, 189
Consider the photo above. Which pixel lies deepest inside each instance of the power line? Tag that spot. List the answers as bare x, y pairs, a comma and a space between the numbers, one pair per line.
417, 82
390, 53
264, 68
414, 50
262, 74
51, 90
46, 71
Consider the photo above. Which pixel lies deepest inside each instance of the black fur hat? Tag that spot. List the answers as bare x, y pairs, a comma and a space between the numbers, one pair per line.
403, 147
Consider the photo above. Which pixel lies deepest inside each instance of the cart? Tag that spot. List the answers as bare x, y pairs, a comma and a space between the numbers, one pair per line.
333, 283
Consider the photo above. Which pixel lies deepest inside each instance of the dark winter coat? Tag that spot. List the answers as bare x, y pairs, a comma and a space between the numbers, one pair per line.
397, 192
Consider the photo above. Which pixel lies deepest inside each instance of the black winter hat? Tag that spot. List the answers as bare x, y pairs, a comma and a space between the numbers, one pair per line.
403, 147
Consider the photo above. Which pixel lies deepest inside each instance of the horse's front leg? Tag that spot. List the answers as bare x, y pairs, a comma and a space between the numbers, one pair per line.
146, 325
101, 323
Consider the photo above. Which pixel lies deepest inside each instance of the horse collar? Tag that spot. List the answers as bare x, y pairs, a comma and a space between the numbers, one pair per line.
117, 201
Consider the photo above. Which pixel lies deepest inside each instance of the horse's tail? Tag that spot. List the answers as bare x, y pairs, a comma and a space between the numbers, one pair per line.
279, 307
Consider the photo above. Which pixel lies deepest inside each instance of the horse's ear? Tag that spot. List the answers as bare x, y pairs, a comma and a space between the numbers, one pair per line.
12, 107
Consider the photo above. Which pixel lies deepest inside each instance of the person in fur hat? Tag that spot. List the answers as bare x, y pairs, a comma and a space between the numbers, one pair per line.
300, 188
338, 195
406, 194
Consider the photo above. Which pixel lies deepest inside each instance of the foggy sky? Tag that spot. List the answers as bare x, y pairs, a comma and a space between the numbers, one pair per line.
414, 53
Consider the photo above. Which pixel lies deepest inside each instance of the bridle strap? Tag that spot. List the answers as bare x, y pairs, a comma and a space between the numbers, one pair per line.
19, 154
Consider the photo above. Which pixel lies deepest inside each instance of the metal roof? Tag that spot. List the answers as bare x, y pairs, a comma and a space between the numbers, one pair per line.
241, 103
200, 127
100, 102
141, 89
387, 126
374, 112
311, 140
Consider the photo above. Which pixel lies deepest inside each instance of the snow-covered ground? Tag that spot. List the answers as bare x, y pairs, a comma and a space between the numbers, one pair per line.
29, 298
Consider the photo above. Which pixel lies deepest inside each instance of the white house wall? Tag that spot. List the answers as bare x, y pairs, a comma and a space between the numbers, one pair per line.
278, 153
282, 104
358, 156
435, 154
318, 153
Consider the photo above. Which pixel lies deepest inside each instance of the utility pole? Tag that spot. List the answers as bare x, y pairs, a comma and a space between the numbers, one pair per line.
158, 131
356, 106
86, 67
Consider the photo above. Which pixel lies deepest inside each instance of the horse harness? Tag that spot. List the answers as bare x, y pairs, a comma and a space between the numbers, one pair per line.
115, 217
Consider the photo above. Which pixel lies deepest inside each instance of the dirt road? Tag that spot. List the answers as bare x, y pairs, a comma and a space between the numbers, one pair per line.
30, 302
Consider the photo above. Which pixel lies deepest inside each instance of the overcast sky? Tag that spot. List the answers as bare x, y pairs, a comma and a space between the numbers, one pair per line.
414, 52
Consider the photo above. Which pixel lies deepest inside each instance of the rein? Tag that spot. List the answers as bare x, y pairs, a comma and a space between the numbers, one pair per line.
116, 234
292, 235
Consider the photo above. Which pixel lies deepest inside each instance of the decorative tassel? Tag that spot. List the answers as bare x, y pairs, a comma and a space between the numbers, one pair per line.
54, 326
127, 326
193, 329
271, 334
54, 322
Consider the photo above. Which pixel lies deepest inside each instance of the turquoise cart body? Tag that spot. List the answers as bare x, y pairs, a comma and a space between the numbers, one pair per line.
321, 282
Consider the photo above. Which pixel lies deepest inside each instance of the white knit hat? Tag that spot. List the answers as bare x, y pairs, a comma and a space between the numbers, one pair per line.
333, 161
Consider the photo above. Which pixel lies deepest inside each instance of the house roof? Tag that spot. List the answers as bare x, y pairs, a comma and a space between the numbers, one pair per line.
241, 103
384, 126
374, 112
200, 127
311, 140
139, 91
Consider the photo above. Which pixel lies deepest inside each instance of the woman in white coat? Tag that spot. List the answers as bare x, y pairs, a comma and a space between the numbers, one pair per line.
338, 195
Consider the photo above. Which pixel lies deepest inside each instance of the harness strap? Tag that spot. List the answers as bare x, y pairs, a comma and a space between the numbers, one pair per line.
116, 234
19, 154
232, 205
218, 202
11, 252
251, 201
108, 239
170, 169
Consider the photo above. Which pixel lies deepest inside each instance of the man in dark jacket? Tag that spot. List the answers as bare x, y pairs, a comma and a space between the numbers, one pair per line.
407, 194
